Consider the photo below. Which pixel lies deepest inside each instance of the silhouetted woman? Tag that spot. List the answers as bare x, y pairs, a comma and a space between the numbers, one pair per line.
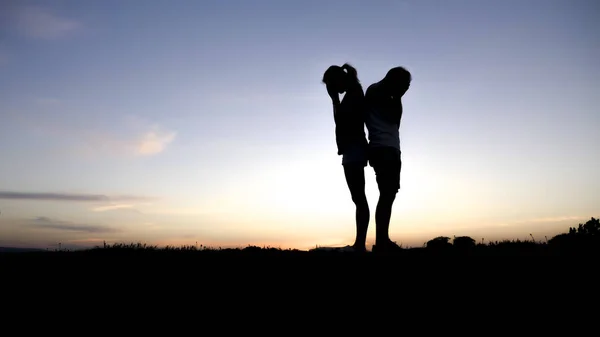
349, 116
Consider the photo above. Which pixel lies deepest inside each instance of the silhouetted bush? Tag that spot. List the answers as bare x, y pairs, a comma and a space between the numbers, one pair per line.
441, 242
464, 243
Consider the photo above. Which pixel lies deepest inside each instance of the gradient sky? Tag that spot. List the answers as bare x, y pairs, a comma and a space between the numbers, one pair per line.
176, 122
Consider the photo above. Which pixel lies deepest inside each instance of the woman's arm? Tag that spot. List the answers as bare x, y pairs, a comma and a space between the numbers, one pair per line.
335, 99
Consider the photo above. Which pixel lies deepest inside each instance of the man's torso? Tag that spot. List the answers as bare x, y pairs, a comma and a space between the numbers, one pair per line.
383, 129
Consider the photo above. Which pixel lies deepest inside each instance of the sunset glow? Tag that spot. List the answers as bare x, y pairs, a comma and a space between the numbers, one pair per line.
206, 123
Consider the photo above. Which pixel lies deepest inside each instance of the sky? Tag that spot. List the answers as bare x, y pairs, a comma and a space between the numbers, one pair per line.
206, 122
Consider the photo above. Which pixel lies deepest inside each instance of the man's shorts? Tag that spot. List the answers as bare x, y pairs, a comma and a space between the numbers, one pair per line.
356, 155
386, 162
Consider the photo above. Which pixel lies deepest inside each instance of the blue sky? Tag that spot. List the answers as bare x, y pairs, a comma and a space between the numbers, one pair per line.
175, 122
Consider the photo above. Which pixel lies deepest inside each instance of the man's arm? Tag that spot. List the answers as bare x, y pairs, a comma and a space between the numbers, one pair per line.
395, 109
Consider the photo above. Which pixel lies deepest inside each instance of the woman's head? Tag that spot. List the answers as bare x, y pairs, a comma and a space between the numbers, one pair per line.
340, 79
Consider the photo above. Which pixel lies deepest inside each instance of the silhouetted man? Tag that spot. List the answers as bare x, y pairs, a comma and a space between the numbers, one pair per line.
383, 123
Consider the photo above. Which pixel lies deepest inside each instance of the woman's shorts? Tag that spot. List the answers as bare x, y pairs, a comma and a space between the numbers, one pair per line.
356, 154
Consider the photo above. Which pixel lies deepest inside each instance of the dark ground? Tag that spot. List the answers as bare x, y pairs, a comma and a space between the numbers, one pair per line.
442, 264
503, 284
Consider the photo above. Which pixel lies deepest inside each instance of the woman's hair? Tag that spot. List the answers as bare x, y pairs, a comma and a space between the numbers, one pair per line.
335, 75
332, 74
351, 71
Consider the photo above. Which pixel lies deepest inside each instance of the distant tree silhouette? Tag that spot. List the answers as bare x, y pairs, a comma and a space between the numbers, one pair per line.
591, 228
583, 237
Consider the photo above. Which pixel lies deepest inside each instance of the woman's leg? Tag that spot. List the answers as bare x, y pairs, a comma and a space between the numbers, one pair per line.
355, 177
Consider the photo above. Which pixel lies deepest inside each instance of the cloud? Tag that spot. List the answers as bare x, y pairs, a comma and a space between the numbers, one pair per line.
529, 224
40, 23
547, 220
43, 196
186, 211
116, 207
137, 137
48, 223
154, 142
88, 240
110, 208
148, 140
558, 219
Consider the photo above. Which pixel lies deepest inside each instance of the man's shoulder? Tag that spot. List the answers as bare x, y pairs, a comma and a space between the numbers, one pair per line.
373, 89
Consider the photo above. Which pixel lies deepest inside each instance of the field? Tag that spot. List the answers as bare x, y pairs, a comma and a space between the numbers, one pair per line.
444, 266
581, 240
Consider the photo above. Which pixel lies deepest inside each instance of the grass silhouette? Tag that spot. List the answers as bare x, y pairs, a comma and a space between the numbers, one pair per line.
444, 267
583, 239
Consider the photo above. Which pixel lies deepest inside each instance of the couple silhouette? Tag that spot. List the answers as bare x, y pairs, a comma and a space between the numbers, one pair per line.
380, 110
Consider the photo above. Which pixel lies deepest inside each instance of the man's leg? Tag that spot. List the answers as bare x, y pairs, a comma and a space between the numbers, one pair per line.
387, 165
383, 214
355, 177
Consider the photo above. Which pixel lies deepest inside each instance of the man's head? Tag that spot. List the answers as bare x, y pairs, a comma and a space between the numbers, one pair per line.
397, 80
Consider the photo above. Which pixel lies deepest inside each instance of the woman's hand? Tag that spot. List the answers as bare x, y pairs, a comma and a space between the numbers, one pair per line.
335, 97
